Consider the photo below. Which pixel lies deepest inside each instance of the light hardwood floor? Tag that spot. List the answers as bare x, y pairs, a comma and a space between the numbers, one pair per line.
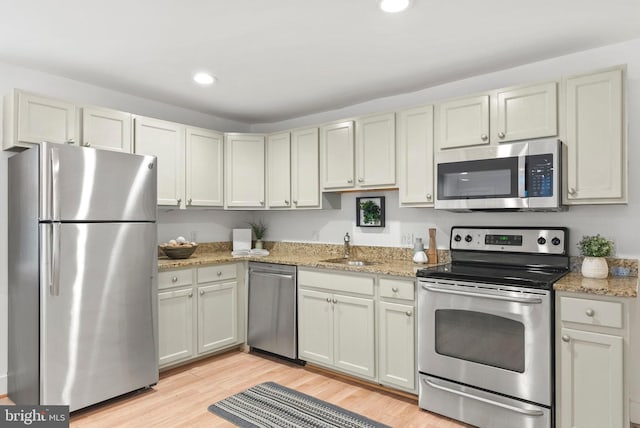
183, 394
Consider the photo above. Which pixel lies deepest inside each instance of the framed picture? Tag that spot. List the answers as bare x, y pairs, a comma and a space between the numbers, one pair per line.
370, 211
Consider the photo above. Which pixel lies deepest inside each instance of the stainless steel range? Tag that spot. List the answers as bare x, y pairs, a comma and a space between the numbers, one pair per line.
485, 327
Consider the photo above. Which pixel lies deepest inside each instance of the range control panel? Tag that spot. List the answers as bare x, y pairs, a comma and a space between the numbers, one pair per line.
516, 240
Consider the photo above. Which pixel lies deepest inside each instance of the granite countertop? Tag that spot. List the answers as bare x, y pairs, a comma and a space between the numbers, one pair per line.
620, 286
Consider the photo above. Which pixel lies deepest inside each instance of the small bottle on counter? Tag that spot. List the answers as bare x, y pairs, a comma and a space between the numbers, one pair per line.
418, 245
419, 255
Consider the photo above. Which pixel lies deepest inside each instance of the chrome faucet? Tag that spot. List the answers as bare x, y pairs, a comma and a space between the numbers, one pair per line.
347, 246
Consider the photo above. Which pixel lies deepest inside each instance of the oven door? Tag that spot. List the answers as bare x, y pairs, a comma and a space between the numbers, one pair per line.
491, 337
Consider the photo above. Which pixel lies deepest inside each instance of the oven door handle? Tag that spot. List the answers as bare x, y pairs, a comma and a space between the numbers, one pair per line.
532, 300
528, 412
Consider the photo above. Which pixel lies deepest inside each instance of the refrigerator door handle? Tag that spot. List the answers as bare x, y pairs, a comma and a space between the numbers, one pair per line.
55, 194
54, 260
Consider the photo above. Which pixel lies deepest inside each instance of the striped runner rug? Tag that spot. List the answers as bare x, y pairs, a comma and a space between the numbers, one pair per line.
271, 405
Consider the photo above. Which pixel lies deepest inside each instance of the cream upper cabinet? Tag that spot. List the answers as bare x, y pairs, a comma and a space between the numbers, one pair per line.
166, 141
305, 168
204, 168
376, 151
415, 157
31, 119
244, 170
337, 156
596, 168
525, 112
279, 170
107, 129
462, 122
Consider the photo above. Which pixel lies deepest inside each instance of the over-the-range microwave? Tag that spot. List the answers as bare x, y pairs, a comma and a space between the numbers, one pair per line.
511, 177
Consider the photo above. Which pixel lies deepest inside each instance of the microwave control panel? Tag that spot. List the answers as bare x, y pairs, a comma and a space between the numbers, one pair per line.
539, 176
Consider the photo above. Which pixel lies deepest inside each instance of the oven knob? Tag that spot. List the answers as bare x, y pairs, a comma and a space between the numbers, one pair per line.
542, 241
468, 238
555, 241
457, 238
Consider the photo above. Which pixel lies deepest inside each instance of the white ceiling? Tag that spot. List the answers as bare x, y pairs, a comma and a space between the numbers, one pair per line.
279, 59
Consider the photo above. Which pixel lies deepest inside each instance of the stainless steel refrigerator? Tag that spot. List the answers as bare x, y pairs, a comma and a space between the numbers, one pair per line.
82, 275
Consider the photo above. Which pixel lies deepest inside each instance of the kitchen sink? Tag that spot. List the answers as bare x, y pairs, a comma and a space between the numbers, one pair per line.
350, 262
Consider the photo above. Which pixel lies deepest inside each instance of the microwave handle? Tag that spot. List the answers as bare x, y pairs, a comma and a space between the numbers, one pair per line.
522, 176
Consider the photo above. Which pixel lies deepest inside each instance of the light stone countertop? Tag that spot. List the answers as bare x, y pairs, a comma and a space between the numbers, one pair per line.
619, 286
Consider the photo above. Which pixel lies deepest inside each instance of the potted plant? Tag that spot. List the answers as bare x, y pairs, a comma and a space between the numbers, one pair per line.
259, 229
595, 249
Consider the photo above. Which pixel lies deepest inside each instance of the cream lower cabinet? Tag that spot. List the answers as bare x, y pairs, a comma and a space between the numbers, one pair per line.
397, 334
336, 321
199, 312
591, 340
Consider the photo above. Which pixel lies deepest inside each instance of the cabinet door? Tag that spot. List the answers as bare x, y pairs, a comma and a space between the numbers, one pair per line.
44, 119
591, 380
415, 156
279, 170
336, 156
305, 168
244, 170
595, 139
315, 326
204, 170
462, 122
217, 316
165, 140
353, 332
397, 345
106, 129
376, 150
175, 325
528, 112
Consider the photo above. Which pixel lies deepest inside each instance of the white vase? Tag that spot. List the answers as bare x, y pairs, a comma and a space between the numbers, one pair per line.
595, 267
258, 244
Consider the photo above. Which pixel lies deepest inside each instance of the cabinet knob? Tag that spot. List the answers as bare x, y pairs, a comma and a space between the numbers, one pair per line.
219, 273
295, 202
408, 313
189, 201
394, 289
174, 279
70, 141
572, 191
360, 180
86, 144
179, 201
328, 299
286, 202
335, 300
484, 137
191, 294
349, 181
202, 292
261, 202
429, 196
566, 338
501, 134
590, 312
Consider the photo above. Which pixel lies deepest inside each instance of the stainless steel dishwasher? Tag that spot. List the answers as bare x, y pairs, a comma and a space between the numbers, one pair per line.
273, 309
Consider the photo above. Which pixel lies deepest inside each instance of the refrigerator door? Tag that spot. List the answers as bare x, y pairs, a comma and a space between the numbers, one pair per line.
98, 324
85, 184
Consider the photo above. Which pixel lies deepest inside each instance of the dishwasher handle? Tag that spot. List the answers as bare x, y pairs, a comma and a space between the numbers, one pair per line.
264, 273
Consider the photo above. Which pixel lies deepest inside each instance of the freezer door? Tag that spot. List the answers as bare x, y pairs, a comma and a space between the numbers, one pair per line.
98, 319
85, 184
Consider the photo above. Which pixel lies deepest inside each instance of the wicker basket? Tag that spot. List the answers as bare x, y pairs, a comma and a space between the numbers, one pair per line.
182, 252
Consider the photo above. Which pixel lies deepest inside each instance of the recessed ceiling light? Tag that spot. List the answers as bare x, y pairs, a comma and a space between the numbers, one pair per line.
393, 6
204, 78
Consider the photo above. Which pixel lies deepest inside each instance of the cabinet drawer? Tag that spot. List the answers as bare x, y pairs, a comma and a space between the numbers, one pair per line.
174, 278
397, 289
592, 312
336, 282
216, 273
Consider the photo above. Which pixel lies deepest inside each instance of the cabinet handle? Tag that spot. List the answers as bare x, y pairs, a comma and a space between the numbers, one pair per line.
408, 313
360, 180
328, 299
590, 312
174, 279
484, 137
179, 201
219, 273
394, 289
429, 196
189, 201
191, 294
202, 292
335, 300
349, 181
572, 191
501, 134
566, 338
286, 202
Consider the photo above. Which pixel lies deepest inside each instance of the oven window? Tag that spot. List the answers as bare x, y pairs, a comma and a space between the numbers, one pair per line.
481, 338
